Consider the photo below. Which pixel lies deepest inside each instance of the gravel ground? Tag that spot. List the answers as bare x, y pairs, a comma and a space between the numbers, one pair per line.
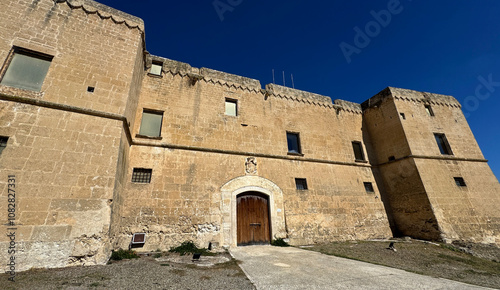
476, 264
142, 273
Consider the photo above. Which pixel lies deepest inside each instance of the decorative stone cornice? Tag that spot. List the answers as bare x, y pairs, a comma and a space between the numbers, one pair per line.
106, 12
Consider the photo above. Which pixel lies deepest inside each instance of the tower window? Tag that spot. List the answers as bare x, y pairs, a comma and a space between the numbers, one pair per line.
444, 146
26, 70
293, 141
429, 110
151, 123
459, 181
3, 143
156, 68
368, 187
301, 183
357, 147
231, 107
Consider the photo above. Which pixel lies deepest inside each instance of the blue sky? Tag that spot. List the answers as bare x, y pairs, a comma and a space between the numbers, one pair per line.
446, 47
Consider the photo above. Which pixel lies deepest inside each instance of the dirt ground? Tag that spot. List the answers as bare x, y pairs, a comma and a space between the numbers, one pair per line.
469, 263
168, 272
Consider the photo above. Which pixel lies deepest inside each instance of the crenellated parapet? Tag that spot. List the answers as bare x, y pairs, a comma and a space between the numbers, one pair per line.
411, 96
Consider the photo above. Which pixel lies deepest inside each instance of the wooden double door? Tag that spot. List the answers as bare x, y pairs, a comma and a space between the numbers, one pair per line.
253, 219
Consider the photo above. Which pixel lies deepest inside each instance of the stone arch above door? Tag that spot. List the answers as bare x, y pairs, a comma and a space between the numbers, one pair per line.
234, 187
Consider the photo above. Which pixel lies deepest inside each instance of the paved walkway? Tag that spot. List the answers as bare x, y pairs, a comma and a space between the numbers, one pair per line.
271, 267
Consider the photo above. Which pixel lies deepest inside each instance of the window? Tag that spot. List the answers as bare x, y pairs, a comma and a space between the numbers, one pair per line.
459, 181
231, 107
3, 143
429, 110
26, 70
151, 123
358, 151
142, 175
402, 116
369, 187
443, 144
156, 68
301, 183
293, 143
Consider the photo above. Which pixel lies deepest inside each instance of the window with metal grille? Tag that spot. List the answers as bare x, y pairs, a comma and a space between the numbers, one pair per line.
3, 143
459, 181
231, 107
444, 146
429, 110
301, 183
357, 147
293, 141
26, 70
369, 187
142, 175
151, 123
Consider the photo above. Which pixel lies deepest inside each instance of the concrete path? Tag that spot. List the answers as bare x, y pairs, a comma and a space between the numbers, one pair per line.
271, 267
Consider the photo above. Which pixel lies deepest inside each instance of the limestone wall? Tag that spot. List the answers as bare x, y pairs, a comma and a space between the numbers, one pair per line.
201, 149
65, 157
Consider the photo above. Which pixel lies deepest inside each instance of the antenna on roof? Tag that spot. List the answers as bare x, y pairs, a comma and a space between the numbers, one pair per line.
284, 79
293, 85
273, 77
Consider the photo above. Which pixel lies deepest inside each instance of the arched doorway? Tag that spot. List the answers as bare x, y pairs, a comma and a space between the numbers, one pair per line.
252, 214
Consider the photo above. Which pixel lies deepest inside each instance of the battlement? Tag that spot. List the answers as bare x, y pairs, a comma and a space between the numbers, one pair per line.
410, 95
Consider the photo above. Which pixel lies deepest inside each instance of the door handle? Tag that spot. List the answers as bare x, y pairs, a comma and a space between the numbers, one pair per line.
255, 224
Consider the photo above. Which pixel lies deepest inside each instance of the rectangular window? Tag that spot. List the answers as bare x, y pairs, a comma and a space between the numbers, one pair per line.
358, 151
402, 116
151, 123
293, 143
156, 68
429, 110
142, 175
369, 187
3, 143
301, 183
26, 70
444, 146
459, 181
231, 107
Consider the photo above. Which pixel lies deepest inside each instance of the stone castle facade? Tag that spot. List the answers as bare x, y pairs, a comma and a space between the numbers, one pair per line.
105, 140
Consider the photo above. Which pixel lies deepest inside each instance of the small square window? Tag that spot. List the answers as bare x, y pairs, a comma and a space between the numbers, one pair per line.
301, 183
3, 143
156, 68
151, 123
444, 146
90, 89
392, 158
142, 175
358, 151
459, 181
429, 110
402, 116
26, 70
293, 143
369, 187
231, 107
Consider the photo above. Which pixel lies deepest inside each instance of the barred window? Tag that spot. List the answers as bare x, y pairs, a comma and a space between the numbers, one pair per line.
3, 143
142, 175
301, 183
